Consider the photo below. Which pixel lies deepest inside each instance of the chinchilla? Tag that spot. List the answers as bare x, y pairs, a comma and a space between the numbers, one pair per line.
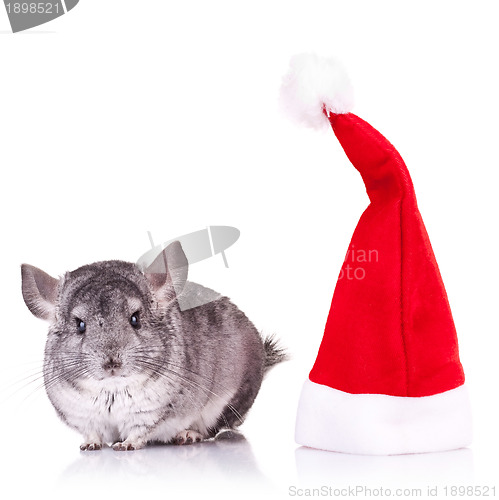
124, 364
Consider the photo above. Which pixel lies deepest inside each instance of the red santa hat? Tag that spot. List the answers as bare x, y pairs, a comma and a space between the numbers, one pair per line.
387, 378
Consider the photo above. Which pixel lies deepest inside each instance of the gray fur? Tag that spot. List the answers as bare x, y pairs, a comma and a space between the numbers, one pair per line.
182, 376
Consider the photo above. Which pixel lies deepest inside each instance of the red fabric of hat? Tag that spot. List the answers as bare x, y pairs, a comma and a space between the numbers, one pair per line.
390, 328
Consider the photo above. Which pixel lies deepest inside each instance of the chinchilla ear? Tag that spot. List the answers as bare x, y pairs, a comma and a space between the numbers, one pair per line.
168, 273
39, 292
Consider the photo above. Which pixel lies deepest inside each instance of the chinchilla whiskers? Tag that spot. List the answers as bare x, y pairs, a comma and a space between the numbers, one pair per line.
33, 376
160, 349
48, 381
76, 372
17, 386
164, 375
163, 365
160, 368
202, 377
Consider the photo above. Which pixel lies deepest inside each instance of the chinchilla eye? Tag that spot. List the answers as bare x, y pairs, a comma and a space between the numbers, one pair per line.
134, 320
81, 325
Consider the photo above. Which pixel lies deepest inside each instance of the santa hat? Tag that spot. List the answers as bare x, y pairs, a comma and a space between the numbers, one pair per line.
387, 378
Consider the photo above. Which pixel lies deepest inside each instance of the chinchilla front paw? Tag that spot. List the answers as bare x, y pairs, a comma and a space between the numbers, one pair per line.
188, 437
128, 445
90, 446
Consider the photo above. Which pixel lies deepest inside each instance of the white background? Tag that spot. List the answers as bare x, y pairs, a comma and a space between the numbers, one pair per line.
124, 117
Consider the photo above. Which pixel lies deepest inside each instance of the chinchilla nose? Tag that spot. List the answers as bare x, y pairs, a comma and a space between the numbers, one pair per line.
112, 364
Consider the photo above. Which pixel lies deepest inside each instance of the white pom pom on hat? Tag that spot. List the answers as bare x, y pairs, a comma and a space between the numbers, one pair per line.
314, 85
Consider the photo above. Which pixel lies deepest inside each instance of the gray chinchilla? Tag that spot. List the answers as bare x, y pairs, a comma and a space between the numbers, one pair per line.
124, 364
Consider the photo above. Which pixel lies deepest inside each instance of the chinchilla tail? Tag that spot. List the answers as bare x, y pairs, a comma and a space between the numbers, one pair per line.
274, 353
